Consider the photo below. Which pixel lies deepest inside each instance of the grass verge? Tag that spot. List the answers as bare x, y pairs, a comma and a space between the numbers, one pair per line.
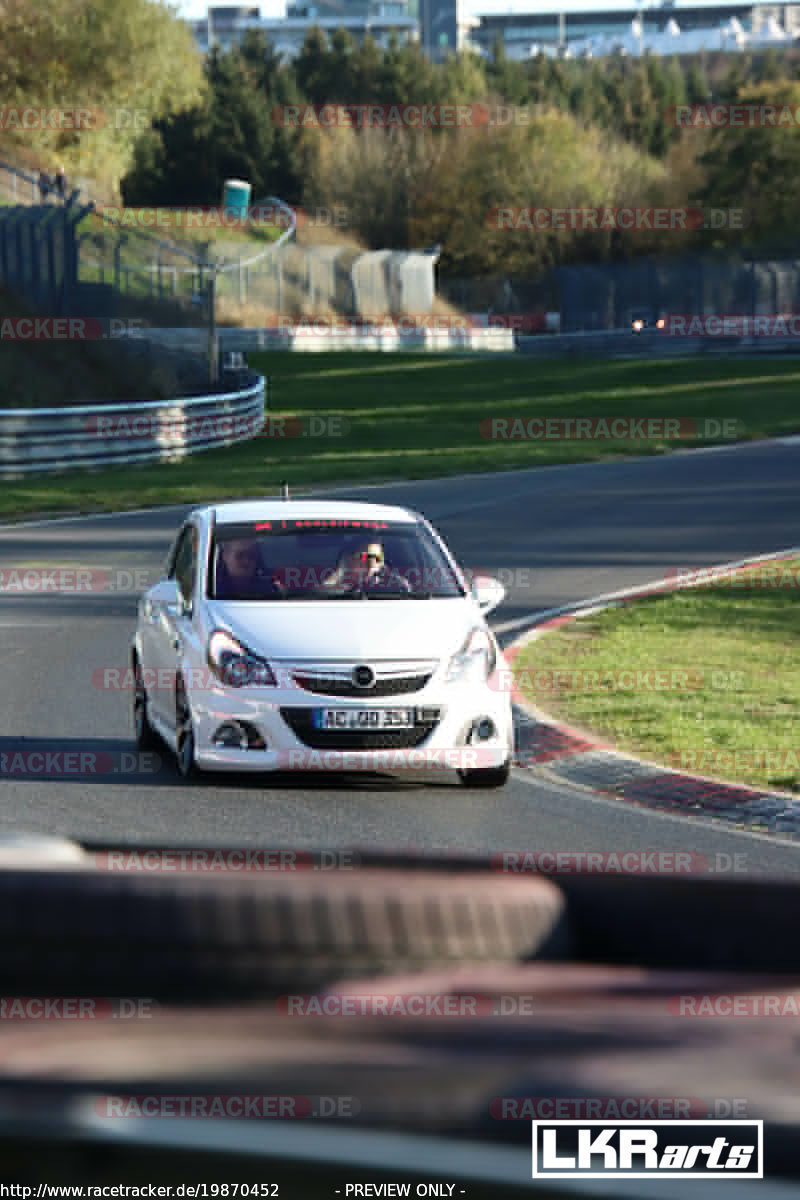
418, 416
41, 373
705, 680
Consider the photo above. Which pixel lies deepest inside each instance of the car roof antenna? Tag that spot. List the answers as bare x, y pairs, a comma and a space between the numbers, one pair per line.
284, 491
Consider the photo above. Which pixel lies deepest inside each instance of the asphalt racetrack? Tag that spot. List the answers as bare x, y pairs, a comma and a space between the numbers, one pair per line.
554, 536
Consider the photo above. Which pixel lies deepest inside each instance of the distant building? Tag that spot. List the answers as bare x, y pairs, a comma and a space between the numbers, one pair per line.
225, 27
444, 27
786, 15
664, 28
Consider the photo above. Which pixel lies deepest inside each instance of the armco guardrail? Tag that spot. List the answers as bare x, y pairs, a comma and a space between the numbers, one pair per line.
307, 337
622, 343
36, 441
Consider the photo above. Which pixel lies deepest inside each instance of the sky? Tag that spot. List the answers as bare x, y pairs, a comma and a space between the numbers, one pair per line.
193, 9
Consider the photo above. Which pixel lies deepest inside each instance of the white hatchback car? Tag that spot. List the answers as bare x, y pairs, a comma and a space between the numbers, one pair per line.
294, 635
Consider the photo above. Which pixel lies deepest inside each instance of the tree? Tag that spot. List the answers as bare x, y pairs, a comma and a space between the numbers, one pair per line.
697, 89
324, 71
771, 70
130, 63
505, 77
366, 71
232, 134
756, 169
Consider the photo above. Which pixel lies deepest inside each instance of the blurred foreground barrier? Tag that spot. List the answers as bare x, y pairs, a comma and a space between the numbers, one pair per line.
35, 441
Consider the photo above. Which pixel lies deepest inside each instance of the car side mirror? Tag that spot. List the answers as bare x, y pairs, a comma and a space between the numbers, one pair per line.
487, 592
176, 603
184, 605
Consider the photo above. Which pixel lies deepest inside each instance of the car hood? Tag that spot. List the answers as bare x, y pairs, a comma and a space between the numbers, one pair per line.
351, 630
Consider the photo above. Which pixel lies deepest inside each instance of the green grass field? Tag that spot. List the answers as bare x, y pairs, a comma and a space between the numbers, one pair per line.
418, 416
179, 225
705, 680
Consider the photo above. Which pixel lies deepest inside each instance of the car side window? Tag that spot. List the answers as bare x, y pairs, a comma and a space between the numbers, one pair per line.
183, 568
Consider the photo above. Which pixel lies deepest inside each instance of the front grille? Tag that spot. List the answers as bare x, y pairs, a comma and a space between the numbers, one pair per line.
300, 720
400, 685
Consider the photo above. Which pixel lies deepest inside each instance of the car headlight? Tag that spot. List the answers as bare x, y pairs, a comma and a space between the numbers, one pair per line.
475, 660
235, 665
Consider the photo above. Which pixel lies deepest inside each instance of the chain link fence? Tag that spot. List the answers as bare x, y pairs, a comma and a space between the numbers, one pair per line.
63, 258
144, 269
502, 295
317, 280
610, 295
71, 258
38, 258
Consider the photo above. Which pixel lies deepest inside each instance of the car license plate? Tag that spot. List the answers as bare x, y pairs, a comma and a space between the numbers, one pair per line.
363, 718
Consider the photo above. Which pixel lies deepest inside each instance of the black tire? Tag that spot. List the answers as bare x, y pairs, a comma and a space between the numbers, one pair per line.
184, 734
178, 934
144, 735
486, 777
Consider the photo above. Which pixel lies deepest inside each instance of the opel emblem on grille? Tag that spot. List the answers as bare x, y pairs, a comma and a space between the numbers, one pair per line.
363, 677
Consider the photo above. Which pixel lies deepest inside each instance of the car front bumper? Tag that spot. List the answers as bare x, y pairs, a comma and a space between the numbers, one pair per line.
446, 745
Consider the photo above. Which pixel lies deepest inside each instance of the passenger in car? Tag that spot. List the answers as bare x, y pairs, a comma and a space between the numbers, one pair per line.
240, 573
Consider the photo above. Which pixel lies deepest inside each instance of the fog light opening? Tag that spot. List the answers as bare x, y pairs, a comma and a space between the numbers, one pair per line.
231, 736
238, 735
482, 731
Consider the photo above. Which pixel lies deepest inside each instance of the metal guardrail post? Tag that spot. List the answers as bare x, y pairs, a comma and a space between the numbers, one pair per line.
213, 340
71, 218
15, 246
121, 241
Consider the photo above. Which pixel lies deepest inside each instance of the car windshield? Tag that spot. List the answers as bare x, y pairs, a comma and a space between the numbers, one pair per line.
328, 560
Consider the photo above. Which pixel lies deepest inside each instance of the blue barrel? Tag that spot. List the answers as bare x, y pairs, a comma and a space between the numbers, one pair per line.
236, 198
